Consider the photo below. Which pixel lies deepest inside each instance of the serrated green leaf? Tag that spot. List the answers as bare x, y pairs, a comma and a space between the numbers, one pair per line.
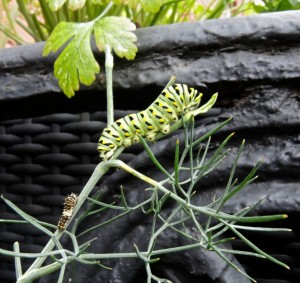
76, 4
76, 64
55, 5
116, 32
60, 35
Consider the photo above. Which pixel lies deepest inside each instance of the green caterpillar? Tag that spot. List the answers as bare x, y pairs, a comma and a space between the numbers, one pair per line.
165, 110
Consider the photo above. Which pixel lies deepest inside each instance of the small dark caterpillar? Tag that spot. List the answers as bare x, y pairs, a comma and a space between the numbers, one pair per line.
165, 110
69, 204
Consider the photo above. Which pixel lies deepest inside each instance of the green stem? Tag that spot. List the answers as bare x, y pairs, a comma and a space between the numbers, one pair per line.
205, 210
89, 9
18, 265
254, 247
134, 255
28, 19
8, 13
49, 16
205, 11
14, 37
34, 274
109, 64
66, 12
37, 24
24, 27
105, 11
99, 171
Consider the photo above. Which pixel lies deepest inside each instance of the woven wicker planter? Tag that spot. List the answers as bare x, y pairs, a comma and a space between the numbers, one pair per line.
48, 143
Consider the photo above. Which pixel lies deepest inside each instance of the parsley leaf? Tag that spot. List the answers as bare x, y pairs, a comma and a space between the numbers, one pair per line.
77, 64
116, 32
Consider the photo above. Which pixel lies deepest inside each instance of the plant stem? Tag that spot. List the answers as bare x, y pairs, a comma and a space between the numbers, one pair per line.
28, 19
8, 13
99, 171
18, 265
109, 64
49, 16
108, 7
38, 27
11, 35
205, 210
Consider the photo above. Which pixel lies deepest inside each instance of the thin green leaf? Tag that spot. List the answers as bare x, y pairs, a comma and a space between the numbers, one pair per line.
86, 244
104, 266
18, 264
212, 132
38, 273
176, 162
62, 273
104, 223
153, 158
31, 255
11, 221
105, 204
254, 247
247, 219
234, 266
231, 176
237, 252
27, 217
264, 229
117, 33
243, 184
85, 261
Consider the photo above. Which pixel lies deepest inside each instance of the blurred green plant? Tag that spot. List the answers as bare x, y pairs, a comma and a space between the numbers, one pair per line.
38, 18
264, 6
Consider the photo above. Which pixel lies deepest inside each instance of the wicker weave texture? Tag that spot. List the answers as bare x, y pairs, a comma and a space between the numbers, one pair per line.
42, 160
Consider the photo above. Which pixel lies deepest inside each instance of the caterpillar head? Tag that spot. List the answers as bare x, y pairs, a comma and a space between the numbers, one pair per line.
195, 102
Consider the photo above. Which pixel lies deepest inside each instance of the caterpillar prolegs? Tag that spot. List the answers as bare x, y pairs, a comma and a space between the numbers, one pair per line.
165, 110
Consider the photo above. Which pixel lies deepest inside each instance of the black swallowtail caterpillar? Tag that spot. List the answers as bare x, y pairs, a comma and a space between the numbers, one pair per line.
69, 204
165, 110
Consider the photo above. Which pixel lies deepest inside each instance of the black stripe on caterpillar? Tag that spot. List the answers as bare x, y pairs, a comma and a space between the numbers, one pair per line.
165, 110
